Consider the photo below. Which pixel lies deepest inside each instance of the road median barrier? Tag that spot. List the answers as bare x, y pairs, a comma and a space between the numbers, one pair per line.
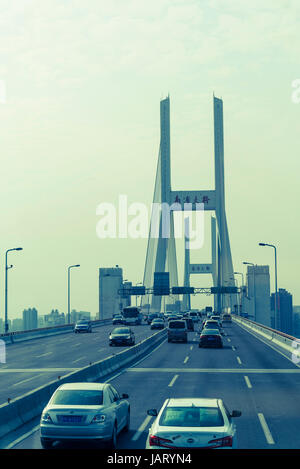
283, 341
27, 407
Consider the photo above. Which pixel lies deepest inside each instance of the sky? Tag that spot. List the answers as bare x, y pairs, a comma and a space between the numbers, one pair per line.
79, 120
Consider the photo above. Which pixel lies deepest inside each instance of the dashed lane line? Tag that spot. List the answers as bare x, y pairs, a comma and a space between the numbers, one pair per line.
249, 385
173, 381
141, 428
265, 428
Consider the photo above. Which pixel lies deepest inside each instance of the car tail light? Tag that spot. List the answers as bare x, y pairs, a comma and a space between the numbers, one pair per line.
157, 441
221, 442
99, 418
46, 418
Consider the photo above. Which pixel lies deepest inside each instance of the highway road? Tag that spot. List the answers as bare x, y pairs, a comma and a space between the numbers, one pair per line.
35, 362
247, 374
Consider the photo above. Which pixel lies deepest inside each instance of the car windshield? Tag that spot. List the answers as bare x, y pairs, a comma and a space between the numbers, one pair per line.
78, 397
157, 320
121, 330
176, 324
83, 322
192, 417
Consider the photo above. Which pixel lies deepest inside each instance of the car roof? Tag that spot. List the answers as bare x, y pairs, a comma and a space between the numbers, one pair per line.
193, 401
83, 386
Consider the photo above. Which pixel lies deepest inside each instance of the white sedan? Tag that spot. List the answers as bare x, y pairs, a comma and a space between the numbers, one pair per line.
84, 411
192, 423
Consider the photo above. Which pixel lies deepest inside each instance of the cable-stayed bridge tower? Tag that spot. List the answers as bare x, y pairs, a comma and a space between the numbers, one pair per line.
161, 249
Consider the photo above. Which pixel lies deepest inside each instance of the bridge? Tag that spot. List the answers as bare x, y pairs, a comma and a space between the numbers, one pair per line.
256, 371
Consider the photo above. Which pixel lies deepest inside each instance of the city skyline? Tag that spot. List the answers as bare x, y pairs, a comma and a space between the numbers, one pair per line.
80, 126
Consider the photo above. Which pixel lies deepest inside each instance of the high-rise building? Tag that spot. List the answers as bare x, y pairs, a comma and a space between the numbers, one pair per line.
296, 321
30, 319
110, 301
17, 324
257, 301
55, 318
284, 310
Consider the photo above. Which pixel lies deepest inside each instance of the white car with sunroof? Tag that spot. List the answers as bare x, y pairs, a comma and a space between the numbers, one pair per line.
192, 423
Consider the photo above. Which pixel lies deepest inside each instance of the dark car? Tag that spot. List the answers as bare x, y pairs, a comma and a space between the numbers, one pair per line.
157, 324
189, 324
210, 338
83, 325
151, 316
118, 319
122, 336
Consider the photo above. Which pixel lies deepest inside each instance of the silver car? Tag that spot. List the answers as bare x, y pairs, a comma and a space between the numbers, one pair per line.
84, 411
192, 423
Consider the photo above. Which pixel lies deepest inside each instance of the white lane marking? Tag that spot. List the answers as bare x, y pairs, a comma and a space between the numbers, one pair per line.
141, 428
25, 380
215, 370
265, 428
22, 437
229, 340
78, 359
173, 381
233, 347
239, 360
191, 347
186, 359
36, 370
249, 385
43, 355
267, 343
76, 345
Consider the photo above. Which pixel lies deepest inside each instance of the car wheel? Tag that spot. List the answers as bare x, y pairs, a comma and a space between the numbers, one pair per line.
112, 443
46, 444
127, 426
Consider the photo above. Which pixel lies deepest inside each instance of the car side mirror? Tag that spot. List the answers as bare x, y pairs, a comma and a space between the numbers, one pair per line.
236, 413
152, 412
125, 396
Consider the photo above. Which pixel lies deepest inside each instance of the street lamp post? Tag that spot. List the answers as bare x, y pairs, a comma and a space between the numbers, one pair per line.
69, 268
276, 309
136, 298
254, 292
6, 286
241, 293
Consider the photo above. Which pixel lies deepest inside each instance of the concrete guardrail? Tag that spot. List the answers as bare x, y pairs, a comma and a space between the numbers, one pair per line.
280, 339
25, 408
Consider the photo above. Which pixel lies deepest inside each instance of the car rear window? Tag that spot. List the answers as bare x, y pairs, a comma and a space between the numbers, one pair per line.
192, 417
177, 325
121, 330
210, 332
77, 397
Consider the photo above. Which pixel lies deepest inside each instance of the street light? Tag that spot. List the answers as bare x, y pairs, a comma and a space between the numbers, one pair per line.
254, 292
241, 293
136, 298
6, 281
69, 268
276, 300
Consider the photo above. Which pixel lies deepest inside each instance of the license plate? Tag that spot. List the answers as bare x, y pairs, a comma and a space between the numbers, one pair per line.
70, 418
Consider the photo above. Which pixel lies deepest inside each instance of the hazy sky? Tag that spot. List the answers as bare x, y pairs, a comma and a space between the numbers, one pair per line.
80, 125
